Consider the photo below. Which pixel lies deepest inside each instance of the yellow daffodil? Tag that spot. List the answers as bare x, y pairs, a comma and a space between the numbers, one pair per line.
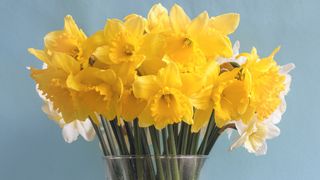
52, 82
98, 90
166, 101
226, 93
267, 84
124, 40
194, 40
69, 40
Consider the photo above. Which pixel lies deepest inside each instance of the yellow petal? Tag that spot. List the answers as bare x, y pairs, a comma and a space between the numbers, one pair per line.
191, 83
71, 27
170, 76
131, 107
145, 87
201, 100
213, 44
211, 73
65, 62
112, 28
101, 54
226, 23
59, 41
91, 44
179, 19
153, 48
201, 118
40, 54
158, 18
135, 25
145, 118
198, 24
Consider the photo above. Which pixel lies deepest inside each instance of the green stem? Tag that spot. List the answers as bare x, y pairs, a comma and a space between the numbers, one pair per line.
101, 139
110, 139
194, 145
205, 139
146, 150
173, 152
166, 152
213, 138
179, 146
130, 137
176, 133
185, 139
156, 149
119, 137
137, 138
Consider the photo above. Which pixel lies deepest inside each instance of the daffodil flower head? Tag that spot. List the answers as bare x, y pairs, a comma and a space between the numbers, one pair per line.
52, 82
267, 84
99, 91
69, 40
166, 101
124, 40
253, 135
225, 93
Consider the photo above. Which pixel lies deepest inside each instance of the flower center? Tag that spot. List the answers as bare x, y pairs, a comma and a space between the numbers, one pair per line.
167, 99
187, 42
128, 49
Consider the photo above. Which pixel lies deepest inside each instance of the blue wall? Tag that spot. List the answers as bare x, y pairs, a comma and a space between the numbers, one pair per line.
31, 146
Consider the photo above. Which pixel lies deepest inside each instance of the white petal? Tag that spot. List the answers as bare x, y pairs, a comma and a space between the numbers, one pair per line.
287, 83
285, 69
241, 60
241, 127
70, 132
44, 66
238, 142
236, 48
273, 131
262, 150
275, 117
40, 93
86, 130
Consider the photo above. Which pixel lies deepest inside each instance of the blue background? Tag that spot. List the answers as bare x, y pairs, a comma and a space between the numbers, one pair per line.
31, 146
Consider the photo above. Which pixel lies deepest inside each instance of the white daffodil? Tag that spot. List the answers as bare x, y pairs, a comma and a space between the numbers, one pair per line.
253, 136
70, 131
234, 58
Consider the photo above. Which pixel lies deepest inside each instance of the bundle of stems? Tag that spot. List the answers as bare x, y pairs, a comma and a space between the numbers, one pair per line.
128, 139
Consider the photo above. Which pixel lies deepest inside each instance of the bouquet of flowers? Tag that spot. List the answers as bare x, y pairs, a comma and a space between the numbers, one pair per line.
164, 87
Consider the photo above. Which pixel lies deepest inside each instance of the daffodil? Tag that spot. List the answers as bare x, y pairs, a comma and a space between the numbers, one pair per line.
98, 91
70, 131
194, 41
227, 94
123, 41
166, 101
69, 40
267, 84
52, 82
253, 135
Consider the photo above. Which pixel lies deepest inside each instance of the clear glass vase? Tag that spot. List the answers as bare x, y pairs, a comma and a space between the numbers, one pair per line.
186, 167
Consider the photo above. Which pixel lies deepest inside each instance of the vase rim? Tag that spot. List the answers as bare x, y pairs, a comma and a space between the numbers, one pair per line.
155, 156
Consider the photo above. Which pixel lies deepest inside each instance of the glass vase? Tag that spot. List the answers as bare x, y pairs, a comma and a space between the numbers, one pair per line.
181, 167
